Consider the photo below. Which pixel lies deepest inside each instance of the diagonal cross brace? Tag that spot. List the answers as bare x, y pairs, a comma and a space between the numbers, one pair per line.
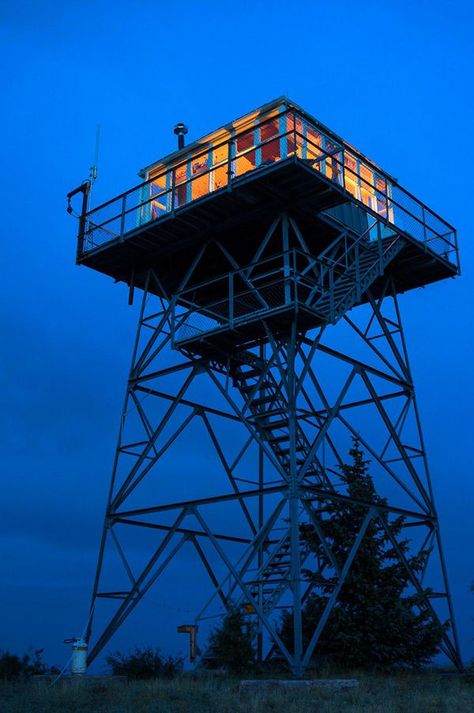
335, 593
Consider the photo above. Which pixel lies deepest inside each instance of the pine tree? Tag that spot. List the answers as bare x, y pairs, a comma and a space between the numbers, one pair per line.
375, 622
230, 646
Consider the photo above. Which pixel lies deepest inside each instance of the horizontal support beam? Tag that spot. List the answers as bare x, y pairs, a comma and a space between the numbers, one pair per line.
202, 501
321, 494
182, 530
418, 523
362, 365
308, 492
363, 402
164, 372
186, 402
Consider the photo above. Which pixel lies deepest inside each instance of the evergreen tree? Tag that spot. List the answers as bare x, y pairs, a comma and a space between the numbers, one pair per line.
231, 646
375, 622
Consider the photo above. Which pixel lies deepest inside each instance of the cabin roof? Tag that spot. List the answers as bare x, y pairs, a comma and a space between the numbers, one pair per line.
249, 118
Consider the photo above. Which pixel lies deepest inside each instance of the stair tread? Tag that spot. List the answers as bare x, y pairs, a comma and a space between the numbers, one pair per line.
249, 373
275, 425
249, 387
268, 414
278, 439
285, 451
264, 400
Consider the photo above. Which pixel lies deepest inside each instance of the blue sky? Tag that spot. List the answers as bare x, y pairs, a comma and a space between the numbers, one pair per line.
394, 79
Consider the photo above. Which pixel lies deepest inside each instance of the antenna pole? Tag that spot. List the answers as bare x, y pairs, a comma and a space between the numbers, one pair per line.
95, 165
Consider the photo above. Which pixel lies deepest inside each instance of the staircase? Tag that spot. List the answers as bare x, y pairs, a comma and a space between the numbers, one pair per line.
268, 406
273, 578
340, 276
348, 267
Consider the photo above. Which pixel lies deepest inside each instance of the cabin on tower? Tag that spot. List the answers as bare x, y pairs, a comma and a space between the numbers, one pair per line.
277, 188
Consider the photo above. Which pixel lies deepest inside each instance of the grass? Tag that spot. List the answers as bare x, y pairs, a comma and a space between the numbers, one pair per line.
422, 693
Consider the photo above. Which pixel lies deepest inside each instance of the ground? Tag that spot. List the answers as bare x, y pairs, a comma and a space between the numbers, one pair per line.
416, 693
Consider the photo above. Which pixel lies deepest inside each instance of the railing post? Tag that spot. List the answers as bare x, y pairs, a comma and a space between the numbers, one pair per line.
189, 182
122, 218
294, 135
423, 214
380, 253
456, 248
294, 277
286, 258
173, 189
231, 300
173, 321
230, 156
84, 188
81, 235
331, 294
357, 271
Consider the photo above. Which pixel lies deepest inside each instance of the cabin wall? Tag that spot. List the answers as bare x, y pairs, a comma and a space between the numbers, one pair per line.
256, 141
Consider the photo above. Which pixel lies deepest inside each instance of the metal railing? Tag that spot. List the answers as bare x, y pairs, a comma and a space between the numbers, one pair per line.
286, 136
282, 282
244, 295
353, 262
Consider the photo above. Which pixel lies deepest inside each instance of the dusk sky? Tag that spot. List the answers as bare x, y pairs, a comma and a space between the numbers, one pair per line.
393, 79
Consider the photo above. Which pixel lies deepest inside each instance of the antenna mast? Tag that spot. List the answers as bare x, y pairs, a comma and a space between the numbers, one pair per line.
94, 168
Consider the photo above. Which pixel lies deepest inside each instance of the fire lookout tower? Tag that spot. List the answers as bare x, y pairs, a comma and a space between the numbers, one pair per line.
255, 248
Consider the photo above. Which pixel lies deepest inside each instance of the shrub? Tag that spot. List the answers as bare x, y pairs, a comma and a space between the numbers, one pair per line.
231, 646
13, 667
144, 663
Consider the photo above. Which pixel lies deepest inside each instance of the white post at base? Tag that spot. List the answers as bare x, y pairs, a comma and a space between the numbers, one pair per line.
79, 657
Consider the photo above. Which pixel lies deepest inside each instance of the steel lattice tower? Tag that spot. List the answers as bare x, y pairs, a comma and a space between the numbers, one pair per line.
252, 249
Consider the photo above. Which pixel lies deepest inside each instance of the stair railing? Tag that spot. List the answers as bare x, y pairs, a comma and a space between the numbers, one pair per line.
348, 265
360, 280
